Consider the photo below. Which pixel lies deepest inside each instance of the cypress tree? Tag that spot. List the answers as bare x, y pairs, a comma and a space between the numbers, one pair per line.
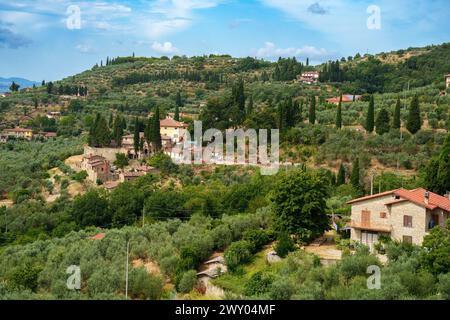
177, 113
178, 100
281, 116
370, 116
340, 180
382, 122
101, 132
354, 177
118, 130
156, 134
339, 114
414, 122
136, 138
148, 130
312, 110
396, 124
250, 105
443, 172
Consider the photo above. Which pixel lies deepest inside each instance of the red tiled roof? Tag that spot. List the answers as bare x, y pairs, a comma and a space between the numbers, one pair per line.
98, 236
386, 193
417, 196
169, 122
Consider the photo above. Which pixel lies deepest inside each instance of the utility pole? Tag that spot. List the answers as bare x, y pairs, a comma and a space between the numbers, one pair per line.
126, 272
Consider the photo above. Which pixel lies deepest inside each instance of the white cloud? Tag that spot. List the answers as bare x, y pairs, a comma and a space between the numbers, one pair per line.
164, 48
271, 51
85, 48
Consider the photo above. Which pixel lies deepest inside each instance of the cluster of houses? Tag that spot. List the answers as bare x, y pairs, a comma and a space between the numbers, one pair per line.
24, 133
97, 162
309, 77
401, 214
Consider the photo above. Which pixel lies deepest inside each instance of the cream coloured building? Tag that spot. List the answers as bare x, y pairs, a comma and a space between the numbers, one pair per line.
173, 129
404, 215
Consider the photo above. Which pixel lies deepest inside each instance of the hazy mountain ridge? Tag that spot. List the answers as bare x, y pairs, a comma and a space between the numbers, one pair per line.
5, 83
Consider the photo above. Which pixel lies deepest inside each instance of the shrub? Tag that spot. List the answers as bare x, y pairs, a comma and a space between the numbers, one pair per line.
258, 238
237, 253
188, 281
258, 284
284, 245
144, 285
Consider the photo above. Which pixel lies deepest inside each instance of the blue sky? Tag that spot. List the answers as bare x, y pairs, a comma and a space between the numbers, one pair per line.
36, 43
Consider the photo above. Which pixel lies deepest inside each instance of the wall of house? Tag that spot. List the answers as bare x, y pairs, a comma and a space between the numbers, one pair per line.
419, 221
107, 153
375, 206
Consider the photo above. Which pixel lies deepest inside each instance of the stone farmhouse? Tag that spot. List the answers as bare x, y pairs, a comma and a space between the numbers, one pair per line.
403, 215
97, 168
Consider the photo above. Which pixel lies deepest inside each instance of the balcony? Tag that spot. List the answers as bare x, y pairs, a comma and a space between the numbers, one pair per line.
370, 226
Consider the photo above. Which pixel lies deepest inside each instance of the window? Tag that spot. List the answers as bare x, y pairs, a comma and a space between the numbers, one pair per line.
383, 215
407, 239
407, 221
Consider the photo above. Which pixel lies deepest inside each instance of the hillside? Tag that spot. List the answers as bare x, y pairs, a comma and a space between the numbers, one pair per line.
395, 71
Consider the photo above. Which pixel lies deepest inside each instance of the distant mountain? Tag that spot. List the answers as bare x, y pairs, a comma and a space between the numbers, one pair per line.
5, 83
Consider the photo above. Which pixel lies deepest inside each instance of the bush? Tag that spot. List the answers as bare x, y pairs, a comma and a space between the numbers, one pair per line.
237, 253
188, 281
144, 285
258, 284
284, 245
258, 238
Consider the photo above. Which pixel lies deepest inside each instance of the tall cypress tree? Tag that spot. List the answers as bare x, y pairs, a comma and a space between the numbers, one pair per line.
148, 132
382, 122
414, 122
354, 177
396, 124
136, 138
339, 114
178, 100
281, 116
177, 113
156, 133
312, 110
443, 174
118, 130
250, 104
340, 180
370, 119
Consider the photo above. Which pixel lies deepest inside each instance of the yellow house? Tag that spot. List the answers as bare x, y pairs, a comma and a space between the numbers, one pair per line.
19, 133
173, 129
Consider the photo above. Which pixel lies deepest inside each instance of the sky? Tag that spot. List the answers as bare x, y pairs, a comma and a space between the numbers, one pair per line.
53, 39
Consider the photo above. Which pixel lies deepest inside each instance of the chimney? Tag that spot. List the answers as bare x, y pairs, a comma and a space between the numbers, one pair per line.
427, 197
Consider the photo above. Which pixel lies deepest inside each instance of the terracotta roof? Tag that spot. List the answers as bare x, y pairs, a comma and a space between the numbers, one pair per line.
417, 196
386, 193
169, 122
98, 236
